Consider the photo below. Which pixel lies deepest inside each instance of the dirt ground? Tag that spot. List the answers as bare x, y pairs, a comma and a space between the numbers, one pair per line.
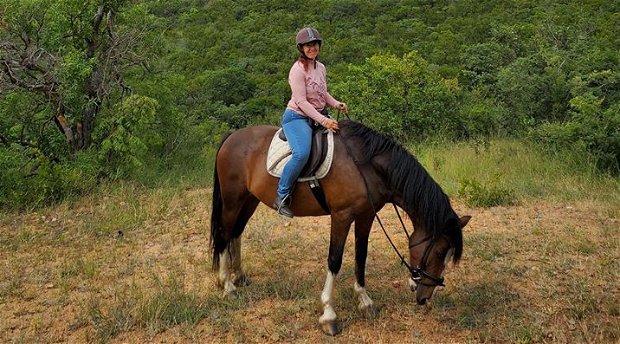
542, 271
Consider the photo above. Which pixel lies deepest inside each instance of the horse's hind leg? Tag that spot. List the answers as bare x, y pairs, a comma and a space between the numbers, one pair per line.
239, 277
230, 270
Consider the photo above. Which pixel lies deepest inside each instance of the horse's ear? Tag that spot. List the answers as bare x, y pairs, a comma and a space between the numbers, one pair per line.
463, 220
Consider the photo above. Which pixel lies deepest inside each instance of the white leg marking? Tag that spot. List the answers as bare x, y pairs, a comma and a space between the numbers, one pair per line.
224, 275
326, 298
365, 301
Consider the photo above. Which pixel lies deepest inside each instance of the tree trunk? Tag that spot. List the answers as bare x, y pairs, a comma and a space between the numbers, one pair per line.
65, 128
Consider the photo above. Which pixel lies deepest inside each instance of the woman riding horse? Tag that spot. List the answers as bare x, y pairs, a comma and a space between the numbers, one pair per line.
309, 98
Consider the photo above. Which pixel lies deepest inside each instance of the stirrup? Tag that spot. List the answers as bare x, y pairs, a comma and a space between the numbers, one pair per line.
282, 206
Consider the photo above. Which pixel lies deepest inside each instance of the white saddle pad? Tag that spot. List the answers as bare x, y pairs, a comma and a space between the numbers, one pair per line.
280, 153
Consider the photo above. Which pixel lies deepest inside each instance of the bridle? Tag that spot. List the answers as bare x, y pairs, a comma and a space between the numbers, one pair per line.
419, 271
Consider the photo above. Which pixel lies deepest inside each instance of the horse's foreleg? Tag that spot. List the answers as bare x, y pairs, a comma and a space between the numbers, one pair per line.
338, 236
362, 231
328, 318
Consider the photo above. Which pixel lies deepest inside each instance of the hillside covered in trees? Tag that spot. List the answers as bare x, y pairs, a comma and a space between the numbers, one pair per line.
115, 89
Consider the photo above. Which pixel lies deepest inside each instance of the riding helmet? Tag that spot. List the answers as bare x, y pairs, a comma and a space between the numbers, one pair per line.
307, 35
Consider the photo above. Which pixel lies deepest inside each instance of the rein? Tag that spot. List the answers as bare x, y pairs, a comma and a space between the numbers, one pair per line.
417, 272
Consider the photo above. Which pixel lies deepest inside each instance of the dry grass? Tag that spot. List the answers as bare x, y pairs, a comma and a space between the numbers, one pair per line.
134, 266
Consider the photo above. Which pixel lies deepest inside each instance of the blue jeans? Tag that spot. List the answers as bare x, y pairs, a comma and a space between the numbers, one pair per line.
299, 136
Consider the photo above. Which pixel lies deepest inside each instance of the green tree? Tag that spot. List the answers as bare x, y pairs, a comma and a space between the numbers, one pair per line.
71, 56
399, 96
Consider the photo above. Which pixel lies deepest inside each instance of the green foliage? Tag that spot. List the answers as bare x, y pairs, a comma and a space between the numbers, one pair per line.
29, 179
476, 194
413, 70
73, 72
590, 131
520, 87
481, 63
400, 96
481, 116
229, 85
126, 134
168, 306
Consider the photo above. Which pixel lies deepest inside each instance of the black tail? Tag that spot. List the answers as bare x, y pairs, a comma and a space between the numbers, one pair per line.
217, 243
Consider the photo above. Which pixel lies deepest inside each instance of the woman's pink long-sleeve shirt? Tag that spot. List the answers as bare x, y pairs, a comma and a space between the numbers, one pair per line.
309, 90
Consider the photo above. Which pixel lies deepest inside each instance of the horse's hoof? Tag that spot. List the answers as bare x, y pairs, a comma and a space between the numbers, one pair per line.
231, 295
331, 327
371, 312
242, 281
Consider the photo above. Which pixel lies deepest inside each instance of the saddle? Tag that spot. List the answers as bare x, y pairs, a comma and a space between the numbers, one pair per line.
317, 167
319, 162
318, 152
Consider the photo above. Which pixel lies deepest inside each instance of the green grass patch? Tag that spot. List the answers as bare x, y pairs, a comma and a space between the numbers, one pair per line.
488, 247
506, 171
477, 195
167, 306
108, 323
171, 305
79, 267
121, 208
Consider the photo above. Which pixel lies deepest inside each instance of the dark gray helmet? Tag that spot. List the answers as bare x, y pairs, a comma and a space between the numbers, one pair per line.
307, 35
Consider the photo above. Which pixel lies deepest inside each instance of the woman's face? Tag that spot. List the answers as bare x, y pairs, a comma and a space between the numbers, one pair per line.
311, 50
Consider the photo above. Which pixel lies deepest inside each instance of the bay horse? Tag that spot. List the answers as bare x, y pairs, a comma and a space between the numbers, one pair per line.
368, 171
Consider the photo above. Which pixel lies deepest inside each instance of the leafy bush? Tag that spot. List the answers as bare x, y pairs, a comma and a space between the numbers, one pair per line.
29, 179
126, 134
477, 195
480, 116
590, 129
399, 96
482, 61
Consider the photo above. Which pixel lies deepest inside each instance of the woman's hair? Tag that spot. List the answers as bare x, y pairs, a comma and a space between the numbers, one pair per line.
306, 61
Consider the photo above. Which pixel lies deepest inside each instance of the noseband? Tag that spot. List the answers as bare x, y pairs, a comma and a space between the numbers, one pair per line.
418, 272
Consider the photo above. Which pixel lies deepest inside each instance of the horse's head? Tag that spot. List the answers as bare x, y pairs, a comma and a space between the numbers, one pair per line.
430, 253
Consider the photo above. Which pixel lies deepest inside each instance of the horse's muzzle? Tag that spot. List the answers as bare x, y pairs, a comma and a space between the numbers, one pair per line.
421, 301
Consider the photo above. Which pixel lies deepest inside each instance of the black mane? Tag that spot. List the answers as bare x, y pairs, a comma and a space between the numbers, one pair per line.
421, 194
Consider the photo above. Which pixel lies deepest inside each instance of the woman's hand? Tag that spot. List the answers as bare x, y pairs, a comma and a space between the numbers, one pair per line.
331, 125
343, 107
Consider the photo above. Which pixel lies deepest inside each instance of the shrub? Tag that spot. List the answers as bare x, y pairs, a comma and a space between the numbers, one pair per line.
480, 116
29, 179
126, 134
477, 195
590, 129
402, 97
